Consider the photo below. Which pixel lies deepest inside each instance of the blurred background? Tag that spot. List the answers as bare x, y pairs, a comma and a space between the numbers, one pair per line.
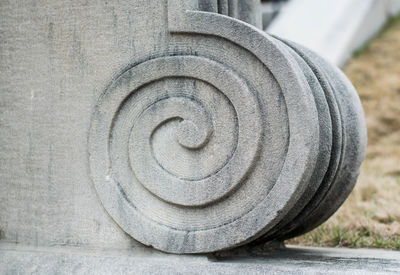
363, 38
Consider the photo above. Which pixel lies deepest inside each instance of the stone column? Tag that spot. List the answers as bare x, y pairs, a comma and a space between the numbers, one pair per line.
245, 10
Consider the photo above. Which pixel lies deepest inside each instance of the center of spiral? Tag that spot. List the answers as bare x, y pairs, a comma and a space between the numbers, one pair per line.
190, 136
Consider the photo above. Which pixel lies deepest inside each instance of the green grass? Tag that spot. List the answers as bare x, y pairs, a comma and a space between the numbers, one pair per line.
339, 236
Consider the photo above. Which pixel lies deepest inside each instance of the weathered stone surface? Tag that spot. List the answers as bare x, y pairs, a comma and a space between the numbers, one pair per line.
294, 260
198, 132
324, 149
334, 143
200, 168
354, 141
247, 11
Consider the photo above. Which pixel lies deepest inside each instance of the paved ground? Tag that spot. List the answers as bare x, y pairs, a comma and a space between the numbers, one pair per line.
293, 260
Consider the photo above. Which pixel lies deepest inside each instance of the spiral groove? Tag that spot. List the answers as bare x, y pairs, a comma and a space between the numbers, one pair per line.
188, 181
224, 138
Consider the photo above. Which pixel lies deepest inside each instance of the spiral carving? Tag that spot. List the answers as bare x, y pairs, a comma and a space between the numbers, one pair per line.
223, 138
179, 149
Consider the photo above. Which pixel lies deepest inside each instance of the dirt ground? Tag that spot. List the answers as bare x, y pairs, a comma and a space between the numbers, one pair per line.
371, 215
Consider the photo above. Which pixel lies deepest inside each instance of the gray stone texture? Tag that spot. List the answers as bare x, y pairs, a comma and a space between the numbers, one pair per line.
170, 124
294, 260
